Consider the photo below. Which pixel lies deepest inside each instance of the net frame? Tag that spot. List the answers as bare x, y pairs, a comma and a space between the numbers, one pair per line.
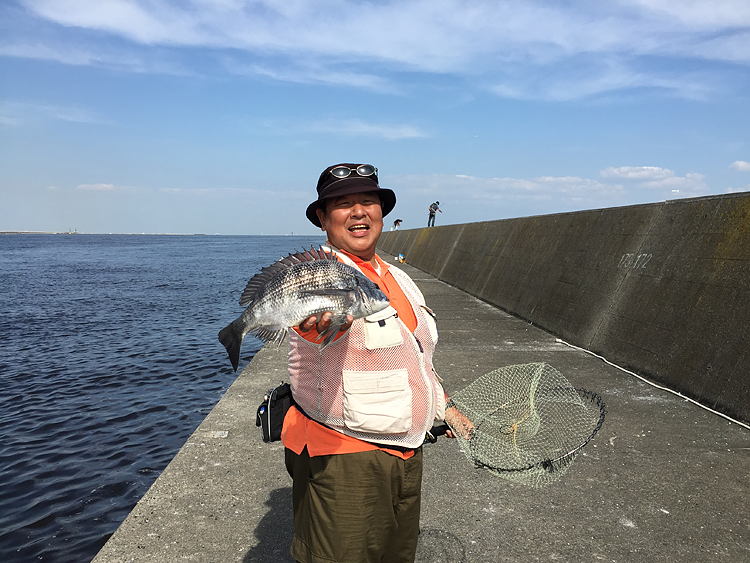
528, 423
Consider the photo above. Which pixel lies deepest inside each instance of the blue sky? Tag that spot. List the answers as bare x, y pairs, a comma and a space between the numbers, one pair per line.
217, 116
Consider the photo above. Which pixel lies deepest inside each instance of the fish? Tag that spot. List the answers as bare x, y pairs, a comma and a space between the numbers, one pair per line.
298, 286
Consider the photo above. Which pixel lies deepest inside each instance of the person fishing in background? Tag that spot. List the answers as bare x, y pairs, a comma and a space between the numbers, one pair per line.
364, 403
434, 208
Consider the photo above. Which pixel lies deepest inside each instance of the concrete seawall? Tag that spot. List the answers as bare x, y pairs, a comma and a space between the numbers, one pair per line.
662, 289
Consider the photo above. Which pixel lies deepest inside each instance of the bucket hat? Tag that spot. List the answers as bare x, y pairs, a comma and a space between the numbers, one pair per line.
330, 186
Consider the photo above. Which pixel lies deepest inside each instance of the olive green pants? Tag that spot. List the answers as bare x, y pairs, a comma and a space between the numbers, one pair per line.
355, 508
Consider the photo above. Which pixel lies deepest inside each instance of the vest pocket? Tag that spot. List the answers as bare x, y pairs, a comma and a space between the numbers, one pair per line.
440, 398
377, 402
382, 330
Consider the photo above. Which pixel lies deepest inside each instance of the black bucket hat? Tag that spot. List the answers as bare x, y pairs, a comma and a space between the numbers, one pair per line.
330, 185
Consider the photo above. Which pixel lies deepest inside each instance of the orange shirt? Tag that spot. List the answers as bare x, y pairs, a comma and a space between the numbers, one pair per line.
300, 430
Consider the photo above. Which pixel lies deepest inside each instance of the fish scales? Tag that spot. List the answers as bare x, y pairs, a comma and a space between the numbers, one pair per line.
287, 299
295, 288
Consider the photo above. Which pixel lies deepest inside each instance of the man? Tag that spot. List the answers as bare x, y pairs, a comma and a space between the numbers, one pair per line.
433, 209
363, 404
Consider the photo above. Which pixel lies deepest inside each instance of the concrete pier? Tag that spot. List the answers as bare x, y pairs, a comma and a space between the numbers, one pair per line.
664, 480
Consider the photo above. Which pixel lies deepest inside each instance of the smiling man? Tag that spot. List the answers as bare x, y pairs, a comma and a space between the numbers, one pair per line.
363, 404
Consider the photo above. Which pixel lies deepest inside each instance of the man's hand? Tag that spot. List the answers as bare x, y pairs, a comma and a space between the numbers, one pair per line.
321, 324
459, 422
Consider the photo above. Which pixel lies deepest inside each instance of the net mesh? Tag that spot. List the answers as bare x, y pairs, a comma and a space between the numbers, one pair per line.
527, 422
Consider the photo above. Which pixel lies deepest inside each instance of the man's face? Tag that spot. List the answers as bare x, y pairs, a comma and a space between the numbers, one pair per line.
353, 223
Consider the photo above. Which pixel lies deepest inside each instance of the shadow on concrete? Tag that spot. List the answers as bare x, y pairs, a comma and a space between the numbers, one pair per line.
275, 530
439, 546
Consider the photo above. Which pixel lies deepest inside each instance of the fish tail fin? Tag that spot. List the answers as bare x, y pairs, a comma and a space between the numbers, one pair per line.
231, 338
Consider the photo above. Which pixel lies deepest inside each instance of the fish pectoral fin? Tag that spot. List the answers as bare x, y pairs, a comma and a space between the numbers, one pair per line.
325, 338
348, 294
269, 334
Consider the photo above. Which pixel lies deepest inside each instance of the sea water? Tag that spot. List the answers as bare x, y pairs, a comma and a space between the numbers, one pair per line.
109, 360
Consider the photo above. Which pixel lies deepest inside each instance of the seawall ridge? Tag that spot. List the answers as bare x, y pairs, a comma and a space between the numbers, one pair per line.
662, 289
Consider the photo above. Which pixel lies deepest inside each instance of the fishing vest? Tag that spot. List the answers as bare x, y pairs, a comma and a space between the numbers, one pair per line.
376, 382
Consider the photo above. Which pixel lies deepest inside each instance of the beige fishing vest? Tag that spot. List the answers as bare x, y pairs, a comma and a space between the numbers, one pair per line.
376, 382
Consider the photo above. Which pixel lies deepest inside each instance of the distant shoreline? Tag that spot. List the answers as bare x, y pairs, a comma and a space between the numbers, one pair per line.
150, 234
36, 233
77, 233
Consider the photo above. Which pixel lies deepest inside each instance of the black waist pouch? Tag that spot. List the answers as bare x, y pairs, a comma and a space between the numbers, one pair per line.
272, 410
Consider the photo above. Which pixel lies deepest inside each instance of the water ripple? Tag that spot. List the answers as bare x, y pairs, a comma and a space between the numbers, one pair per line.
109, 362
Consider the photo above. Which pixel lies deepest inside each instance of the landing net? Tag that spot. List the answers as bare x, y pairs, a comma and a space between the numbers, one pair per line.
529, 422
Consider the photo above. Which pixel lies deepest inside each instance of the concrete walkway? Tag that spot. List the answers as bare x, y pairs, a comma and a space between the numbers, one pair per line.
664, 480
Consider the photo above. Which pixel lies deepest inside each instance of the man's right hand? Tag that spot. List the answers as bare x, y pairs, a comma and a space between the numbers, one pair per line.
459, 422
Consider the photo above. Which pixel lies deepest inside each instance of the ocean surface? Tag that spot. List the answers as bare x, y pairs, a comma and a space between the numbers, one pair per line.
109, 360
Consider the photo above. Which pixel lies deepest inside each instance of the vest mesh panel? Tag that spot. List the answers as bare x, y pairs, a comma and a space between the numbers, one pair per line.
317, 381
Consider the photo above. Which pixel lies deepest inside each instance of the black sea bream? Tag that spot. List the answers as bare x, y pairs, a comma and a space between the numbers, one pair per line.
289, 291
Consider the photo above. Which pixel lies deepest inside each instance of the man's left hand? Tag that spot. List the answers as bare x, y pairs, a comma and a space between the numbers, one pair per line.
325, 321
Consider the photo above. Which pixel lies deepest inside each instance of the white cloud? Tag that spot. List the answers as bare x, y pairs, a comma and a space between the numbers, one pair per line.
741, 166
27, 50
664, 179
122, 58
9, 119
517, 48
96, 187
697, 14
312, 73
692, 183
348, 127
140, 21
502, 189
489, 198
362, 128
637, 173
20, 113
232, 192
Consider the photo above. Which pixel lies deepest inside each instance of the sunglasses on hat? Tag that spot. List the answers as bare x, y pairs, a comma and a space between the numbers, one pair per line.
363, 170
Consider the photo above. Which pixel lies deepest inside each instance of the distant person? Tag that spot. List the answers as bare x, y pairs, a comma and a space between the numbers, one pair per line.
433, 209
396, 224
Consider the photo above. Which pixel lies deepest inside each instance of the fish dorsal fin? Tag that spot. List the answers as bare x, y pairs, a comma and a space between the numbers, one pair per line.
261, 278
